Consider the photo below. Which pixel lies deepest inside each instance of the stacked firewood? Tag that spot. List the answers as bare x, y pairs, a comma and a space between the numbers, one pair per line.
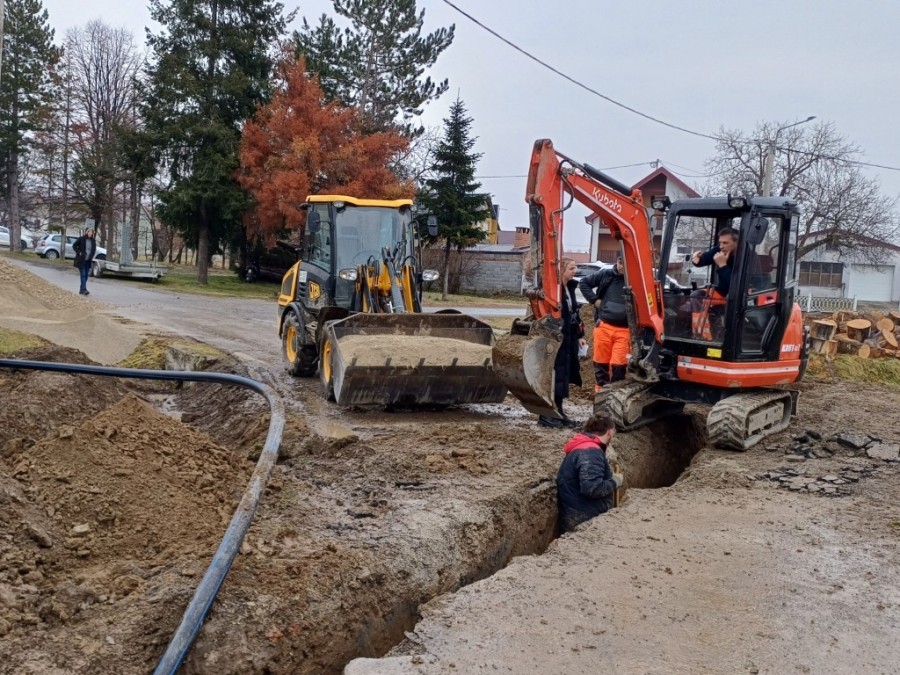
869, 335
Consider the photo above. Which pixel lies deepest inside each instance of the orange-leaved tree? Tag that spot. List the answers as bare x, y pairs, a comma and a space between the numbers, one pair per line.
297, 145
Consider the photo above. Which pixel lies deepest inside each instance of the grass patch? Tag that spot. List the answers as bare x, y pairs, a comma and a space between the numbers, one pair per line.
500, 324
843, 367
149, 355
499, 300
221, 285
12, 341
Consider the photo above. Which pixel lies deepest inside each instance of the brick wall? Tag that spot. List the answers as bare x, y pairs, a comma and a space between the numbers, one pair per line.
494, 272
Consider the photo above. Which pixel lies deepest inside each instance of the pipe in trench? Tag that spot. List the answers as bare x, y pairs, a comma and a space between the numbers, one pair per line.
224, 556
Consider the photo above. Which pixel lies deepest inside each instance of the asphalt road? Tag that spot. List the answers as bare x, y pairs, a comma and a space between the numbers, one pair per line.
241, 326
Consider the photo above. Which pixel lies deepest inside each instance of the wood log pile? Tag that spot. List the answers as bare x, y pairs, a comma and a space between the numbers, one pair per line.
869, 335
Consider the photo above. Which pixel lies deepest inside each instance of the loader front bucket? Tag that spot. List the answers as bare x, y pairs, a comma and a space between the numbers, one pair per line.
524, 360
412, 359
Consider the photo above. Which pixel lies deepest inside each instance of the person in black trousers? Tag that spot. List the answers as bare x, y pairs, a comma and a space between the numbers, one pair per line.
566, 368
85, 248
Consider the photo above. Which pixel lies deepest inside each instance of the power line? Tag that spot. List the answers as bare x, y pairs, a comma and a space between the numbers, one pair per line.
629, 108
654, 164
574, 81
838, 159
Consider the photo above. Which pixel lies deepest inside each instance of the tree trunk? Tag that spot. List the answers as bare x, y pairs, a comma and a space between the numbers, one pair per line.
203, 248
15, 227
870, 352
446, 272
845, 345
858, 329
134, 215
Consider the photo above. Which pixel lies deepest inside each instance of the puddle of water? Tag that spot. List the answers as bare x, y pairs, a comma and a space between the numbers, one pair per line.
332, 429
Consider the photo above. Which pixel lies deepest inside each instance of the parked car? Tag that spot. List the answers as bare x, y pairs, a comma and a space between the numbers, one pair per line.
270, 264
49, 247
4, 238
585, 269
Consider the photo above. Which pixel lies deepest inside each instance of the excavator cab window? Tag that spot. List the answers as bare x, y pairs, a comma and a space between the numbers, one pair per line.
761, 272
697, 315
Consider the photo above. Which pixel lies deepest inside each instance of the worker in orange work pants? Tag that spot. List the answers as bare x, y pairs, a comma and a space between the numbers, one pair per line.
612, 339
612, 344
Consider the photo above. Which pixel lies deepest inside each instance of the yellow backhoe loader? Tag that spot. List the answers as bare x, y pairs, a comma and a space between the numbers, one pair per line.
350, 309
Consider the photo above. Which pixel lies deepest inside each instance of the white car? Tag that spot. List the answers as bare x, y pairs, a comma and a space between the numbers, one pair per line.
584, 269
49, 247
4, 238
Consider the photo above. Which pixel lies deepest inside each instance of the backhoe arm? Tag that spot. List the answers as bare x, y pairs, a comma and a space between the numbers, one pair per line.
554, 181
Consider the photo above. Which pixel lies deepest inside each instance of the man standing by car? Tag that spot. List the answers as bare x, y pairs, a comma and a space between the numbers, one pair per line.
612, 339
85, 248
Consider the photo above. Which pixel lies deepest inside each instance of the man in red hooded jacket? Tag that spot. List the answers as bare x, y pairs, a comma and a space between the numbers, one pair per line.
585, 484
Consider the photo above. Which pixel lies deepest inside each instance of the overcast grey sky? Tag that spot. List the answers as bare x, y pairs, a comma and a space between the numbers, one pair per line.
698, 64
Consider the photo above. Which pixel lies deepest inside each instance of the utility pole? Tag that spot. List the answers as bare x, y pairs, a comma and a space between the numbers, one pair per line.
770, 154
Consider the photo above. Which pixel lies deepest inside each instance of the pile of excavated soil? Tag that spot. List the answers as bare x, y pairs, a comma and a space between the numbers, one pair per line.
409, 351
109, 512
32, 305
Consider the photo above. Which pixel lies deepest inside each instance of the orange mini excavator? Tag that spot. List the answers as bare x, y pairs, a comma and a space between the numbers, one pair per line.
755, 343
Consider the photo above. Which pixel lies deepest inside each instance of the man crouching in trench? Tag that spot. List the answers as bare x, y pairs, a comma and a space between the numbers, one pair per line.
585, 483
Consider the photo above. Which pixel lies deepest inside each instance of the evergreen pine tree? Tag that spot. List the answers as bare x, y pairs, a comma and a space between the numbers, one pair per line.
377, 64
29, 57
211, 67
452, 195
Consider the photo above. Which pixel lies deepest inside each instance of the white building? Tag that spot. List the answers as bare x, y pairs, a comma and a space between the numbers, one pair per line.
826, 273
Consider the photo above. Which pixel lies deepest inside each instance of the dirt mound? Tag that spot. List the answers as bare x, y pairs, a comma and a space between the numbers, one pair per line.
111, 502
20, 288
47, 401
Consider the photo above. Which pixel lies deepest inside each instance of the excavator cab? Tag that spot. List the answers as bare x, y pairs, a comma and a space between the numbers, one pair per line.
351, 311
747, 324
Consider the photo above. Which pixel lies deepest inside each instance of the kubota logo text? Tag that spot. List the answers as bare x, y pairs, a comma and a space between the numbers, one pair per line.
609, 202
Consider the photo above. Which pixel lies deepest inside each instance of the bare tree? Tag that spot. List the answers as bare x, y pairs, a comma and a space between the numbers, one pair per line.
415, 163
105, 63
841, 207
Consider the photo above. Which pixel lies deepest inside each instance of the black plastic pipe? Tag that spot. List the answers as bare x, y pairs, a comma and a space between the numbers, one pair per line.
221, 562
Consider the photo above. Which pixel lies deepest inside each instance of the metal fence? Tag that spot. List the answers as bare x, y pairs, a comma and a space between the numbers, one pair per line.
810, 303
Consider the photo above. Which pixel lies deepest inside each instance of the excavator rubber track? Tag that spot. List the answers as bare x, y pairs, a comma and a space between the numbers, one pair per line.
633, 404
740, 421
409, 359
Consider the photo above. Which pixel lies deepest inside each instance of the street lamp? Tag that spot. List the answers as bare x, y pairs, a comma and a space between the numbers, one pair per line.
770, 154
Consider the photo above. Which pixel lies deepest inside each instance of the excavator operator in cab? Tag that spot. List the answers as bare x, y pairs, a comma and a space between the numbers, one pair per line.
703, 300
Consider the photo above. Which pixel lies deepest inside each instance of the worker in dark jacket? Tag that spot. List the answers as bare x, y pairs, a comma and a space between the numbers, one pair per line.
566, 369
585, 484
605, 290
85, 248
704, 299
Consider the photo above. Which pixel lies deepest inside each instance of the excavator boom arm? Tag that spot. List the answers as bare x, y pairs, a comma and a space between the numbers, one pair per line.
553, 180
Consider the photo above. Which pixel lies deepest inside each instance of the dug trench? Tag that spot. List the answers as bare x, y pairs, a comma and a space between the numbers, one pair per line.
112, 509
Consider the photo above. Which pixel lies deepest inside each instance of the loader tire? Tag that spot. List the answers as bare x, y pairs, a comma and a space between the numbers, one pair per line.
302, 360
326, 369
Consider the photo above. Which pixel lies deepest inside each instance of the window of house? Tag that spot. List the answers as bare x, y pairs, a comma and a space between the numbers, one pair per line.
824, 274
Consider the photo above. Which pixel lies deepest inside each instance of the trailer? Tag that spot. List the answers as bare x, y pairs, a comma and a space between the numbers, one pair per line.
133, 269
126, 266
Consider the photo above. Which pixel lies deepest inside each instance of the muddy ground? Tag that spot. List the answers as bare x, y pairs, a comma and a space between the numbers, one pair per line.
115, 494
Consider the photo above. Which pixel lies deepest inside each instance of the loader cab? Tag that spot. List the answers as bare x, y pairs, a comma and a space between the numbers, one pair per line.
749, 322
344, 232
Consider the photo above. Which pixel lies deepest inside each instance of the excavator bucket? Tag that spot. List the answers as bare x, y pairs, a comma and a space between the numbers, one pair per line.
411, 359
524, 360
